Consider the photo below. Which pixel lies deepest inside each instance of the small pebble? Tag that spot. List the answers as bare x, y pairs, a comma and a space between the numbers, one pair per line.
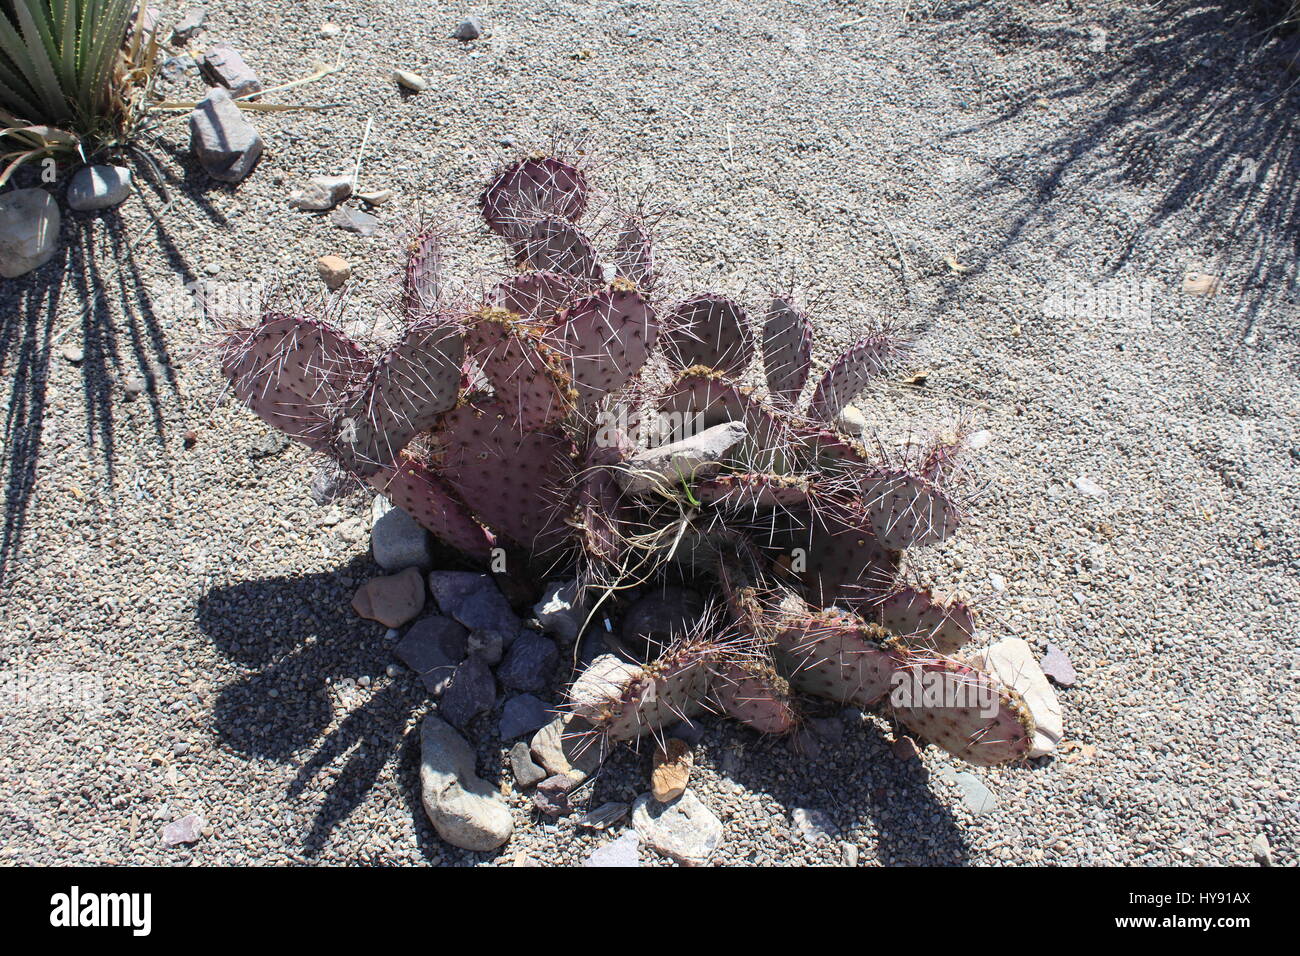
334, 271
410, 81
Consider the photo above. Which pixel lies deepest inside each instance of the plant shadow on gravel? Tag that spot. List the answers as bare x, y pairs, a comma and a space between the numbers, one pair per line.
300, 637
1201, 121
305, 642
99, 267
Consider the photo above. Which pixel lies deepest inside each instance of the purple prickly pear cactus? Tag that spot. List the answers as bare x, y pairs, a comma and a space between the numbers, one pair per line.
870, 358
711, 331
787, 350
531, 189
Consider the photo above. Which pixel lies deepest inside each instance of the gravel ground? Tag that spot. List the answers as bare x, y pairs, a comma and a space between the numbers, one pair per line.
956, 166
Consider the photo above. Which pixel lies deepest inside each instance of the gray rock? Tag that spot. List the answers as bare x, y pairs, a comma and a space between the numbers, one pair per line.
851, 421
397, 541
625, 851
1261, 850
655, 619
223, 65
29, 230
552, 795
407, 80
225, 143
849, 854
529, 663
321, 193
471, 28
487, 645
176, 69
434, 647
683, 829
559, 611
604, 816
188, 26
524, 714
829, 729
471, 692
690, 731
974, 792
328, 485
187, 829
565, 745
814, 825
1058, 667
353, 220
526, 772
465, 809
98, 187
1012, 661
474, 600
665, 467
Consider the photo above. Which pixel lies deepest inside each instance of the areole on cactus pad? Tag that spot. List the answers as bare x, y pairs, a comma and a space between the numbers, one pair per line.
513, 424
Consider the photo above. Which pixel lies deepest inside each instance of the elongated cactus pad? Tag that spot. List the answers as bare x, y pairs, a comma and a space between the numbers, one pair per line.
557, 245
712, 331
842, 562
968, 713
526, 375
625, 701
602, 508
907, 511
752, 491
422, 281
605, 339
534, 296
756, 695
634, 255
412, 485
292, 372
838, 656
787, 350
851, 372
531, 189
517, 483
403, 395
914, 615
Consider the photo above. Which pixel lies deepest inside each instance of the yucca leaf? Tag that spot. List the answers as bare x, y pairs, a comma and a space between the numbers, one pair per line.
43, 77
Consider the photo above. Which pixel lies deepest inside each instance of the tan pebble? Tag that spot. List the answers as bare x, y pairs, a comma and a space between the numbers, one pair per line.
334, 271
672, 770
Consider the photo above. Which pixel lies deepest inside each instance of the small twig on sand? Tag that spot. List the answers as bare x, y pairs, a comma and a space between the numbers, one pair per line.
356, 169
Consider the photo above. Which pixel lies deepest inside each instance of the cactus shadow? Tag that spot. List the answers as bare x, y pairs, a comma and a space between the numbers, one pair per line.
1197, 132
301, 703
885, 806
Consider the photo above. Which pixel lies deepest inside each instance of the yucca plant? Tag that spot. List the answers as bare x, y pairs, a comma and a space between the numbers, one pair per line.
72, 75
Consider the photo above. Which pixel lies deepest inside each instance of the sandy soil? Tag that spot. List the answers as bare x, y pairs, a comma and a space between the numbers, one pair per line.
1024, 183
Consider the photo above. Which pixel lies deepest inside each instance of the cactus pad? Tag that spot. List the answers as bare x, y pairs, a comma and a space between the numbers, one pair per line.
756, 695
535, 296
531, 189
627, 701
787, 350
557, 245
606, 338
838, 656
915, 616
412, 486
968, 713
711, 331
292, 371
634, 255
525, 374
403, 395
851, 372
515, 482
907, 511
